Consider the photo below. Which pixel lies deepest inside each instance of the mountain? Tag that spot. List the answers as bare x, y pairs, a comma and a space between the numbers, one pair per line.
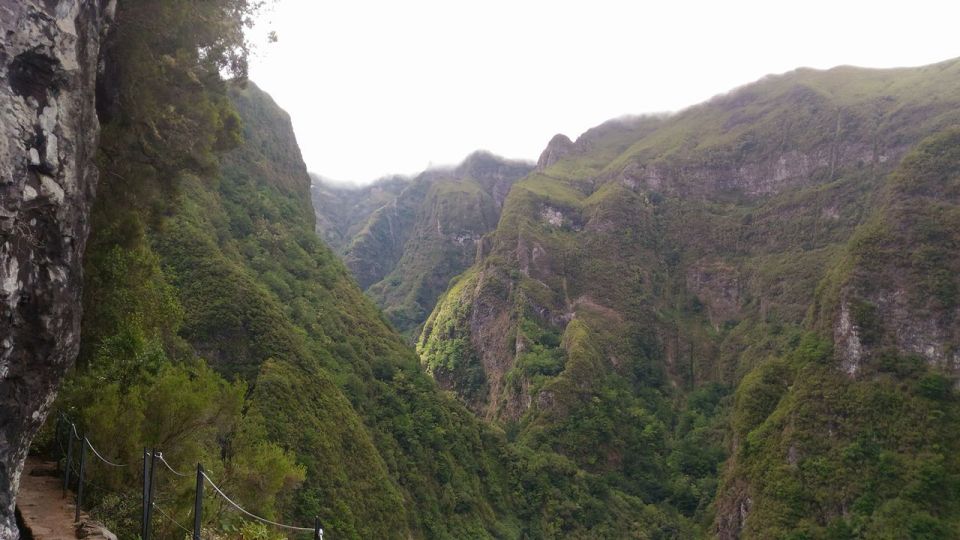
218, 328
737, 321
257, 296
343, 209
404, 239
863, 441
769, 259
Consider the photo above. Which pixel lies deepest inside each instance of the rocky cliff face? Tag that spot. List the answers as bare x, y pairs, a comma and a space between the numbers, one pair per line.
453, 210
888, 305
559, 147
666, 254
784, 164
887, 299
404, 240
48, 68
343, 209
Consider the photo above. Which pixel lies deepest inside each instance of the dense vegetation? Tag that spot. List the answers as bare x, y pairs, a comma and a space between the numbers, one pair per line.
872, 456
404, 239
683, 326
743, 247
218, 327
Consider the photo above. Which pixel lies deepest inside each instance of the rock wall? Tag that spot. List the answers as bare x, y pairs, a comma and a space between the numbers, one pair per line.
559, 147
49, 58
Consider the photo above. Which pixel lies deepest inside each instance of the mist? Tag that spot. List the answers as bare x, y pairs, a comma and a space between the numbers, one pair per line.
382, 88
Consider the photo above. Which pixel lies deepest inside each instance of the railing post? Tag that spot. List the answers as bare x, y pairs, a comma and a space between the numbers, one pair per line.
57, 445
144, 519
317, 530
66, 472
150, 489
198, 503
83, 456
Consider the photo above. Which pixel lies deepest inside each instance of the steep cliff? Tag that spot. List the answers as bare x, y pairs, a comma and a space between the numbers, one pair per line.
705, 206
740, 320
862, 440
405, 239
222, 267
655, 258
343, 209
48, 137
898, 284
203, 253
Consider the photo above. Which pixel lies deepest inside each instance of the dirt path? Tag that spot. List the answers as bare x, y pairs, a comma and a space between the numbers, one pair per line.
45, 511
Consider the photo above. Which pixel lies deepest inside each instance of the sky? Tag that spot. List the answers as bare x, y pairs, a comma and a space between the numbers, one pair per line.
393, 87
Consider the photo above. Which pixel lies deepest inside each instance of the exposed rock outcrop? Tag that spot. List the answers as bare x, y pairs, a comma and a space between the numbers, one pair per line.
718, 286
559, 146
404, 239
91, 530
48, 69
494, 174
909, 303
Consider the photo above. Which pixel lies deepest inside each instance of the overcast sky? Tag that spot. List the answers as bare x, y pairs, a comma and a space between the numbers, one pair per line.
381, 87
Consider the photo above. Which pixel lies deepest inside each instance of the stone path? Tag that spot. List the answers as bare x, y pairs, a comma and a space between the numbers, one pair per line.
46, 513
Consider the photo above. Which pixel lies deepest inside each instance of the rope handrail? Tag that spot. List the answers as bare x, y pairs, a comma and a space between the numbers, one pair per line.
86, 441
254, 516
148, 502
167, 465
101, 458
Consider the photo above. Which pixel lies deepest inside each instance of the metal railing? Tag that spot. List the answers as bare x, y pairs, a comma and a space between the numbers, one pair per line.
150, 459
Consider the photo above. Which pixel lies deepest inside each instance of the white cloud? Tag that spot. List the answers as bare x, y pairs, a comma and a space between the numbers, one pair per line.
381, 87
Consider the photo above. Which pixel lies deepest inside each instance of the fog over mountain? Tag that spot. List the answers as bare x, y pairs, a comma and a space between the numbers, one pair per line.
426, 81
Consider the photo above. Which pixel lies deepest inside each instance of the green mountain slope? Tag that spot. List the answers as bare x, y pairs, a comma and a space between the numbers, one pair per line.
658, 258
330, 412
219, 329
862, 442
735, 321
220, 264
343, 209
405, 240
428, 445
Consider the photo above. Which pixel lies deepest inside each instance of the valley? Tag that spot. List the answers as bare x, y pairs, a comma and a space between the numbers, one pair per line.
738, 320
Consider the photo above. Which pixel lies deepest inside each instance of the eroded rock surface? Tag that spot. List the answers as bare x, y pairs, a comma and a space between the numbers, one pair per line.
559, 147
48, 135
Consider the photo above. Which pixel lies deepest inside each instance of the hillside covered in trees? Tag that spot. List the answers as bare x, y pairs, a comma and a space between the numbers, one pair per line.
404, 239
741, 320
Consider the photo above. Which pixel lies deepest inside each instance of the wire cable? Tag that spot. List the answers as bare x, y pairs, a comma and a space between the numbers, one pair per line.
103, 459
90, 444
167, 465
159, 456
254, 516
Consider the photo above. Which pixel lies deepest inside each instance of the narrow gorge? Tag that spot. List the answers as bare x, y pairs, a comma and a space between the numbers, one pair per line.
739, 320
